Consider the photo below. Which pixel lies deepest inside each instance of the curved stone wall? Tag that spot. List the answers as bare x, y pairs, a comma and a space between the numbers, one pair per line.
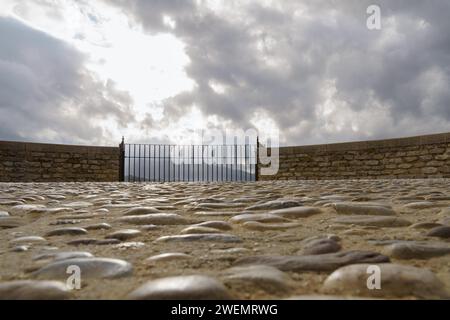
37, 162
405, 158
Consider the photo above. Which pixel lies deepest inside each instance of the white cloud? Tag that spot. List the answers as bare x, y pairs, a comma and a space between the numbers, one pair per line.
149, 67
309, 68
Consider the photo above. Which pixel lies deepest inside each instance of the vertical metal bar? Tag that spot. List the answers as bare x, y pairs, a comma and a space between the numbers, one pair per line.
182, 157
203, 163
240, 161
144, 160
257, 160
218, 157
226, 163
172, 163
154, 163
222, 162
207, 164
252, 171
148, 162
122, 160
152, 156
131, 159
139, 162
129, 162
193, 161
251, 163
164, 163
246, 161
230, 163
134, 162
159, 162
224, 148
235, 161
168, 163
212, 163
186, 157
144, 163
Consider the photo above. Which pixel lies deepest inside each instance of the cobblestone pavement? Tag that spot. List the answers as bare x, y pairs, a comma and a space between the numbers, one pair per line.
265, 240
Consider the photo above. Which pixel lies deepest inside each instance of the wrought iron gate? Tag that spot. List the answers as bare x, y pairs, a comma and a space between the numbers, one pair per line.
166, 163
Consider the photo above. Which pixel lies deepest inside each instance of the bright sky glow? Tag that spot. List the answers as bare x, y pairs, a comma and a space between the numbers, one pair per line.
158, 71
149, 67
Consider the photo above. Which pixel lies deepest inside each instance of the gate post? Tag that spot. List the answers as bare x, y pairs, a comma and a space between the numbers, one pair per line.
257, 160
122, 160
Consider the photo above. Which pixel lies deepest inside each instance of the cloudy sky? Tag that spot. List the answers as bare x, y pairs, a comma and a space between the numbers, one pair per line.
88, 72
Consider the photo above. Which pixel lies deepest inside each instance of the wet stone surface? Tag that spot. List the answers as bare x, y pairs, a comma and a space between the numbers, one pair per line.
265, 240
400, 281
194, 287
33, 290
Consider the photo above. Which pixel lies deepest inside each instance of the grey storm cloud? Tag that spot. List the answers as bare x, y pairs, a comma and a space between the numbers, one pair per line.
44, 86
312, 66
290, 60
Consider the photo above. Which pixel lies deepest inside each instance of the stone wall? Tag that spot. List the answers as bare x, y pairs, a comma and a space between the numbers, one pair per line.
36, 162
415, 157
